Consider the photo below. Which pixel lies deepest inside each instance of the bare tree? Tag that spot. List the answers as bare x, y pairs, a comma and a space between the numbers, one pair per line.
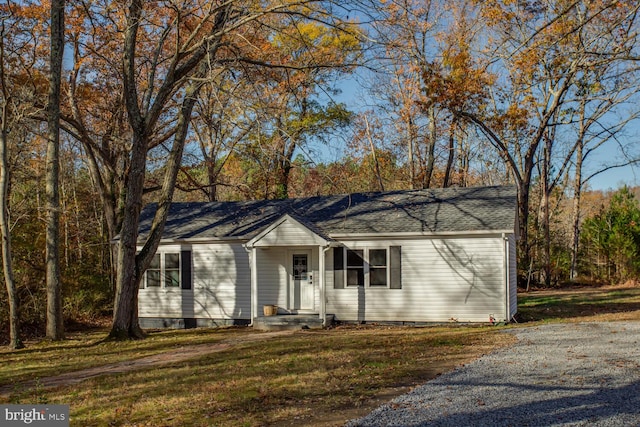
541, 52
160, 79
6, 113
222, 119
55, 325
596, 126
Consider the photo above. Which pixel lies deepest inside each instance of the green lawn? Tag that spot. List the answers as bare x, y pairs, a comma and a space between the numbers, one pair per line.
608, 303
305, 378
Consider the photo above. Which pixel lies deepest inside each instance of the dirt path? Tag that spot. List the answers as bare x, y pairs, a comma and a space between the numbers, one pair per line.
172, 356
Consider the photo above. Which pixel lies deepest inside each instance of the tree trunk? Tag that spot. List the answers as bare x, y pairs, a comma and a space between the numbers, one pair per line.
410, 159
212, 180
282, 180
285, 162
125, 311
575, 213
431, 147
546, 227
7, 265
447, 173
373, 155
126, 324
55, 327
5, 233
523, 218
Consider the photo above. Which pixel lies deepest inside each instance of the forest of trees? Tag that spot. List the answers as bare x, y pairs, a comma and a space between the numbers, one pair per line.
211, 100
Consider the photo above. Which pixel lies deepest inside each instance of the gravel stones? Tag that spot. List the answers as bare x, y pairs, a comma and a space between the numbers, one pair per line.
569, 374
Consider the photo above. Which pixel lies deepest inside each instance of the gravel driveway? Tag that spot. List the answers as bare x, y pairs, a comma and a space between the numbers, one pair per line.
572, 374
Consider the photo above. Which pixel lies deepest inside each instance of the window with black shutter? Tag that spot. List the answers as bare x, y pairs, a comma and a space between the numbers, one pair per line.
395, 267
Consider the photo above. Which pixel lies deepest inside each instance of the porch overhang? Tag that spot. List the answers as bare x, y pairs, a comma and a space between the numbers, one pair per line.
289, 232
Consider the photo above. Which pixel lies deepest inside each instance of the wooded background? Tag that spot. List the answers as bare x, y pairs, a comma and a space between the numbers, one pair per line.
235, 100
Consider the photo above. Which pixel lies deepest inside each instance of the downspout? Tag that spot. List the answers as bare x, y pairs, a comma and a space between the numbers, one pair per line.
254, 281
323, 284
507, 287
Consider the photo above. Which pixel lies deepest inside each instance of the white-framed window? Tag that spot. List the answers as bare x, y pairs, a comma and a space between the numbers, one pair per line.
378, 267
172, 270
153, 274
163, 272
355, 266
362, 267
372, 267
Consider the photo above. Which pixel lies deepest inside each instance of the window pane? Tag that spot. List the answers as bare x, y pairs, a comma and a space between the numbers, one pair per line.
355, 267
378, 277
153, 272
153, 278
172, 278
378, 257
172, 261
355, 258
355, 277
155, 262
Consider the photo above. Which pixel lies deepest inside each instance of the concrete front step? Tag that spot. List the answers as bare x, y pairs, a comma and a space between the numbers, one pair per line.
290, 322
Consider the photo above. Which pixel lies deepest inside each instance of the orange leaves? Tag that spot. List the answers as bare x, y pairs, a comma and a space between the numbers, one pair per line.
313, 43
496, 12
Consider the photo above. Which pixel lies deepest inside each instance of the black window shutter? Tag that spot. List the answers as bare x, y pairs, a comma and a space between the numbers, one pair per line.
185, 272
395, 261
338, 268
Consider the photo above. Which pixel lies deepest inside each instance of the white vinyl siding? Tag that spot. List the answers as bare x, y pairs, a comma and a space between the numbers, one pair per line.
443, 279
272, 277
221, 286
446, 279
288, 233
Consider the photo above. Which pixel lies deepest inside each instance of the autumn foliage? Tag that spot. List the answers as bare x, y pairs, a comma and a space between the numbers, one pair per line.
201, 100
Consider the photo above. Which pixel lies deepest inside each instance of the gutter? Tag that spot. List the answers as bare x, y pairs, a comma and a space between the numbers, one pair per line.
404, 234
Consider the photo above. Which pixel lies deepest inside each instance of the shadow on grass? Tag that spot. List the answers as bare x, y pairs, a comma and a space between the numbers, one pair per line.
580, 303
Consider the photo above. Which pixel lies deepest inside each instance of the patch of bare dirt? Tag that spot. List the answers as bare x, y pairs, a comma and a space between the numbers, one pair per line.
172, 356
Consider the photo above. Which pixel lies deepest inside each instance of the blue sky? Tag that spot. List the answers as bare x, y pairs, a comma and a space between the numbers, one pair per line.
352, 95
616, 178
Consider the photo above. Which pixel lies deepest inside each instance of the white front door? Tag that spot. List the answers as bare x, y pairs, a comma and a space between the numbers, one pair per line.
303, 294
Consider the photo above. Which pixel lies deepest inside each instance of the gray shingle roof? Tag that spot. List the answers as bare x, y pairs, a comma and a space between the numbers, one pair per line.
413, 211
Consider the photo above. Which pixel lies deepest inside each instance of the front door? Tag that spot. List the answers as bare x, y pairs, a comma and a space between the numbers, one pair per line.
303, 295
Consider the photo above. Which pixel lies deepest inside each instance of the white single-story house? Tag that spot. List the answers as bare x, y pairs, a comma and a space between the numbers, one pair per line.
417, 256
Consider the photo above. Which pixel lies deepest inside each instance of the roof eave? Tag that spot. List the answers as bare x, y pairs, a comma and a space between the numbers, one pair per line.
408, 234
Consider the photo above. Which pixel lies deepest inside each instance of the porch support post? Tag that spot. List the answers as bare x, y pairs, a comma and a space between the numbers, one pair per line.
254, 284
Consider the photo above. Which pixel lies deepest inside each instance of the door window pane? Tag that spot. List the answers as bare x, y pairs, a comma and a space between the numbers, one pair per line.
300, 267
